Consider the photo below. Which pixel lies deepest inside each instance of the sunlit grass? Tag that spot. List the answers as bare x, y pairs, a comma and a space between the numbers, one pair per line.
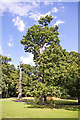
16, 98
11, 109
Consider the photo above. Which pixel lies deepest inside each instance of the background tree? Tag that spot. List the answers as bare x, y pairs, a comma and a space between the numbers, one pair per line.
27, 79
10, 77
73, 75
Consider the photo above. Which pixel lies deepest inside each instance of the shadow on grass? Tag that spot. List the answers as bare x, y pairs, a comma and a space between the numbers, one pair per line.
67, 105
72, 106
27, 101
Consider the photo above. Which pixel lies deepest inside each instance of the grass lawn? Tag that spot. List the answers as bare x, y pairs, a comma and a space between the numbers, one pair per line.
11, 109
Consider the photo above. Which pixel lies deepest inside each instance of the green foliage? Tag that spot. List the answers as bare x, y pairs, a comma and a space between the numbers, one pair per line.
45, 20
37, 36
9, 77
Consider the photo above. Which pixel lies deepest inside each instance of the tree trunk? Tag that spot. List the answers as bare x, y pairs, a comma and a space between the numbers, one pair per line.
41, 51
20, 88
41, 100
79, 100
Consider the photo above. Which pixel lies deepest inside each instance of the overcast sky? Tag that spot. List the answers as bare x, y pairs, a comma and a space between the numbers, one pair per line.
17, 17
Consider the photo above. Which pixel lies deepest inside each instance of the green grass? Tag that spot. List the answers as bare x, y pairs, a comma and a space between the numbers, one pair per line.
15, 98
11, 109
